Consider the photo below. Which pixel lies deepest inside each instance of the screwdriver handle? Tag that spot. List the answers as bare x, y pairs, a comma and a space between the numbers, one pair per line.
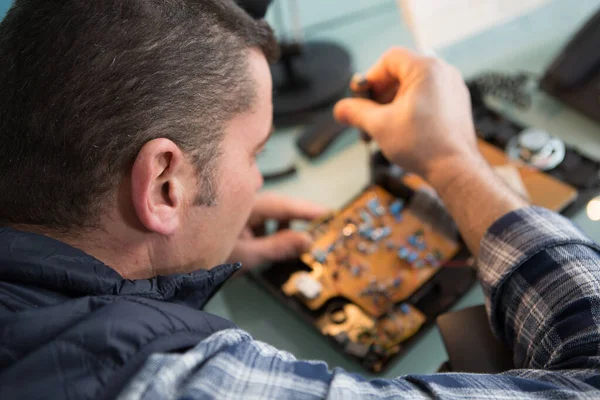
361, 88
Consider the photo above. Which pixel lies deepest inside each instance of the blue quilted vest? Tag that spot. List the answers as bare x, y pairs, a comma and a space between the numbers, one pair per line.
71, 327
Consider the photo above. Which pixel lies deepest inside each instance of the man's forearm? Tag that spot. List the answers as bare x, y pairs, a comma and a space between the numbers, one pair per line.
474, 196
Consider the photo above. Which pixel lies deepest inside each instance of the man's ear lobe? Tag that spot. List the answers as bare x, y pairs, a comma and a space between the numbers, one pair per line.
157, 186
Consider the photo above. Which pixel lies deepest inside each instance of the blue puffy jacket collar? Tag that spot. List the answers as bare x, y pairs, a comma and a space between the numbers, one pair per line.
29, 258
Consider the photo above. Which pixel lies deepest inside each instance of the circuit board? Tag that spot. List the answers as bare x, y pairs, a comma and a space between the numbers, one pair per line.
359, 333
376, 253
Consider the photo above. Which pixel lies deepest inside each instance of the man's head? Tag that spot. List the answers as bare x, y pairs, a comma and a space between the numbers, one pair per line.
134, 123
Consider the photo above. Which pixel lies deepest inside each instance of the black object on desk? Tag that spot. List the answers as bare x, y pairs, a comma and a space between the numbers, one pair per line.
307, 79
574, 77
309, 75
470, 343
256, 8
320, 135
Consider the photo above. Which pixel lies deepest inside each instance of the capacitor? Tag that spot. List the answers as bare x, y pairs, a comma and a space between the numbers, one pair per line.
412, 257
403, 253
375, 207
380, 233
372, 206
366, 217
319, 255
396, 207
365, 230
404, 308
412, 240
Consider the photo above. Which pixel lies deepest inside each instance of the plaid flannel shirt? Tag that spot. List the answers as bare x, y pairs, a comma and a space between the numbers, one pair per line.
541, 279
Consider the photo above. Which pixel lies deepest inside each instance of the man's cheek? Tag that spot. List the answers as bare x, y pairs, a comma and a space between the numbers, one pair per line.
258, 177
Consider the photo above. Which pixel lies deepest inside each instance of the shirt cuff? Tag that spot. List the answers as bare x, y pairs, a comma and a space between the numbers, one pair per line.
515, 238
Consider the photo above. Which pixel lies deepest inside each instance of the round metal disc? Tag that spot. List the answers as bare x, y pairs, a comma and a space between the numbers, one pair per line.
325, 70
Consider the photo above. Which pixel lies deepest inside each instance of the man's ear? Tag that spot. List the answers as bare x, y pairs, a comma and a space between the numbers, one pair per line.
158, 180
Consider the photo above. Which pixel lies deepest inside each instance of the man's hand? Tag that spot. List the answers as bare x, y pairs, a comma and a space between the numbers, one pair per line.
252, 250
421, 115
421, 118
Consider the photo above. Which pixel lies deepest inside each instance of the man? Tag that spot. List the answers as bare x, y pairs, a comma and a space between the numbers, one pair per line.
129, 130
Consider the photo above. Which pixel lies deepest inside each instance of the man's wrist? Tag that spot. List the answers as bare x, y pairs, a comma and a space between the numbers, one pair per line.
444, 173
474, 196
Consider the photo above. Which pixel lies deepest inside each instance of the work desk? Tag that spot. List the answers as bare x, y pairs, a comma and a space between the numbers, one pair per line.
526, 44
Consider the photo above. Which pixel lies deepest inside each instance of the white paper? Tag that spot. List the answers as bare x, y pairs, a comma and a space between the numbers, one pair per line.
438, 23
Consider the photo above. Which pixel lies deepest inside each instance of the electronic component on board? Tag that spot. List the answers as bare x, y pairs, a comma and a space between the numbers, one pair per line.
308, 287
319, 256
412, 257
375, 207
380, 233
403, 253
366, 217
396, 207
365, 230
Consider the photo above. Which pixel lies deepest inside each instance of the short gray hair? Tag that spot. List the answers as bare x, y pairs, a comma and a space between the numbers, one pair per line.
84, 84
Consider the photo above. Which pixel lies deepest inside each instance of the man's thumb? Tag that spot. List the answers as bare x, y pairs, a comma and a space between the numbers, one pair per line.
357, 112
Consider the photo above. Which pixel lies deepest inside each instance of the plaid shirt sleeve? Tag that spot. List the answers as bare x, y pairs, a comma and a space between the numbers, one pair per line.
541, 278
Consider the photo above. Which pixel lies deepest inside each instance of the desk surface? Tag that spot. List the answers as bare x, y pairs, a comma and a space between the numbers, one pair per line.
528, 43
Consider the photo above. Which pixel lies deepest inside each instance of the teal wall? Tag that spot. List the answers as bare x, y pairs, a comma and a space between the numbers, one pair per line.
309, 14
4, 6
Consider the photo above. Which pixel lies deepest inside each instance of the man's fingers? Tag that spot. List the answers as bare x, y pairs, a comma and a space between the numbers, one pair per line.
361, 113
396, 65
283, 208
283, 245
394, 69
